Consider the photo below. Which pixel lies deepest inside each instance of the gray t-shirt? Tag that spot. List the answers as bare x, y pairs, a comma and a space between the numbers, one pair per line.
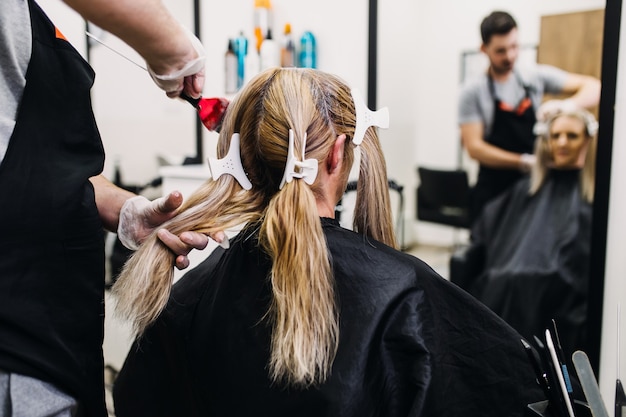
15, 50
476, 102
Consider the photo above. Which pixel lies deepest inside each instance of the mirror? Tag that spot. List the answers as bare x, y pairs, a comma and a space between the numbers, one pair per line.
420, 49
597, 268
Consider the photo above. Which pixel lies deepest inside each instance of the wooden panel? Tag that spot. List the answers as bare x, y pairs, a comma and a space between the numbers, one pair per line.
573, 42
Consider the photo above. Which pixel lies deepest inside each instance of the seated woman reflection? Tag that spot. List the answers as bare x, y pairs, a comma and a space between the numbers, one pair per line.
536, 238
300, 317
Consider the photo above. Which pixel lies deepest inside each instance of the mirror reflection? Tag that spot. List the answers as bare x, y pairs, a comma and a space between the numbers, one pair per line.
499, 108
529, 256
531, 207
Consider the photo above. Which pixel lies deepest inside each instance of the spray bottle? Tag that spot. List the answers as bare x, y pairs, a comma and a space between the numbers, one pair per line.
288, 50
270, 53
308, 51
241, 50
262, 21
230, 69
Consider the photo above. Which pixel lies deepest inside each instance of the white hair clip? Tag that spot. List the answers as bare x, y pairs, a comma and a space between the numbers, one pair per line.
230, 164
592, 127
305, 169
366, 117
540, 128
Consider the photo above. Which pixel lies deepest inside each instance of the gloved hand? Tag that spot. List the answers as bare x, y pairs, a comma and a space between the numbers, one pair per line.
140, 216
527, 161
189, 78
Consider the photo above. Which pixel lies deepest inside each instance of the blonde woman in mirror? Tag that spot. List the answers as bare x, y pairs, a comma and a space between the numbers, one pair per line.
301, 317
533, 243
567, 141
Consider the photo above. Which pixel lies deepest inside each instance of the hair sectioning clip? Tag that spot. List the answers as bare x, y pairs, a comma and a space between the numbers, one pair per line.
541, 128
230, 164
305, 169
366, 117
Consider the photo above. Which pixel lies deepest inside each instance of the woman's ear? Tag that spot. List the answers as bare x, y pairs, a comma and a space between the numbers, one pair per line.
335, 157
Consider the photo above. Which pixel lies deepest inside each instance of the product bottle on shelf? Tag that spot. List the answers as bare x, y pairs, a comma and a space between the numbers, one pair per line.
253, 64
308, 52
262, 21
288, 50
270, 53
230, 69
241, 50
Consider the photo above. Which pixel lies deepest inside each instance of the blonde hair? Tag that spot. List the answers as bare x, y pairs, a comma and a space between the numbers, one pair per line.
544, 157
303, 312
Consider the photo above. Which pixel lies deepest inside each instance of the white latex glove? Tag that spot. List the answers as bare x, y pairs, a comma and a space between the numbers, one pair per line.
527, 161
136, 220
139, 217
189, 78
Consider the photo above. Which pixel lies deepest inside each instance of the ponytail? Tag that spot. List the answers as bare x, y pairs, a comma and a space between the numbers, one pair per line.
372, 215
303, 313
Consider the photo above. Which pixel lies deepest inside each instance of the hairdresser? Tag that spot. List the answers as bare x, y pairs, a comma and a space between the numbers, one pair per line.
498, 109
56, 202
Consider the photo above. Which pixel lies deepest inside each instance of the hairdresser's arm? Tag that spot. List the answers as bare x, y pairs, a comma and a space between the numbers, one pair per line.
109, 200
143, 219
149, 28
585, 93
585, 90
487, 154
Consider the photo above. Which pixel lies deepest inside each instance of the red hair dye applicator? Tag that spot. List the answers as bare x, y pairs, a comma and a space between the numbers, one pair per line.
210, 110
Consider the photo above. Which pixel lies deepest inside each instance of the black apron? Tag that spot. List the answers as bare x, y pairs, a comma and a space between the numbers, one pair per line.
52, 242
512, 131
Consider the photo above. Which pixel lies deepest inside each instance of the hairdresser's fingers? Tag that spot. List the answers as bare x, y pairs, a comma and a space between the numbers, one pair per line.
194, 240
221, 239
169, 203
200, 241
173, 242
182, 262
183, 244
176, 246
193, 85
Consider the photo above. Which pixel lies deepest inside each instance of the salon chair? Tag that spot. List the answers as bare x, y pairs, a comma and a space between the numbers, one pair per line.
443, 197
393, 187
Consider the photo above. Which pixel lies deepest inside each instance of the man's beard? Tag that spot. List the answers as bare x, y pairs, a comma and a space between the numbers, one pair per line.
502, 69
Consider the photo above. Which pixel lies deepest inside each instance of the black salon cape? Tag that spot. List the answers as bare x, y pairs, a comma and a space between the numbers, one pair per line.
411, 344
537, 258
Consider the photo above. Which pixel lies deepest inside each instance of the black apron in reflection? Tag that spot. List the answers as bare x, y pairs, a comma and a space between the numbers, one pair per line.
52, 244
512, 131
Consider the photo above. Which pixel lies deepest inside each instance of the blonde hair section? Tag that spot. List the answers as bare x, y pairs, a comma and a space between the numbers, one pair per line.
541, 169
373, 215
143, 287
303, 312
